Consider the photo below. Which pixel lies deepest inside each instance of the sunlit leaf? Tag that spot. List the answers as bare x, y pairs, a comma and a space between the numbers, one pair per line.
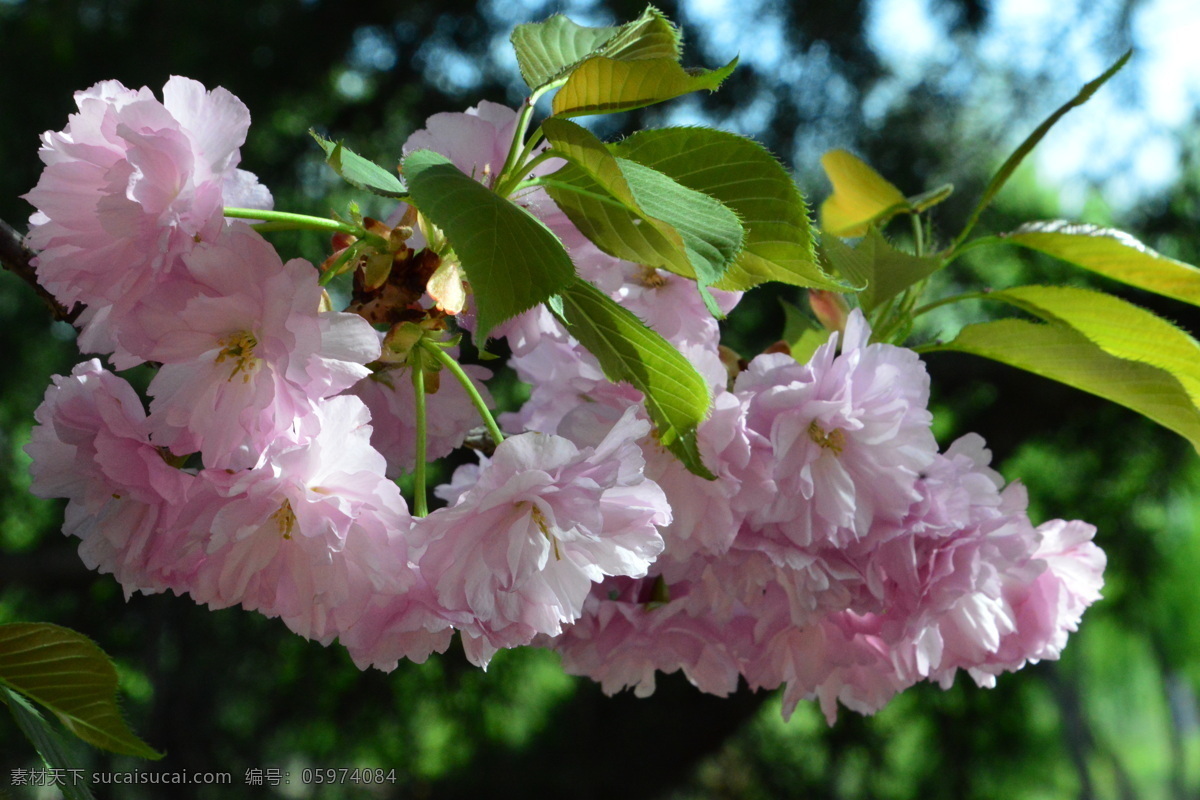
49, 746
676, 395
602, 85
68, 674
885, 271
359, 172
637, 213
1060, 353
1117, 327
548, 50
861, 196
746, 178
512, 260
1112, 253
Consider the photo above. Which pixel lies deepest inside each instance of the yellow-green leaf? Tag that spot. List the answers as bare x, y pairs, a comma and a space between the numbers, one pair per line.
861, 196
1117, 327
744, 176
68, 674
602, 85
548, 50
1113, 254
1058, 352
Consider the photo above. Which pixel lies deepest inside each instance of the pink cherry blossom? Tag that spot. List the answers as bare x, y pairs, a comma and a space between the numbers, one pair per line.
519, 551
130, 184
245, 351
849, 435
91, 446
313, 535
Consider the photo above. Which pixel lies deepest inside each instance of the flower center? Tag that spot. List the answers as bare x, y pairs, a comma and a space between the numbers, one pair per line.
835, 440
540, 519
240, 348
285, 518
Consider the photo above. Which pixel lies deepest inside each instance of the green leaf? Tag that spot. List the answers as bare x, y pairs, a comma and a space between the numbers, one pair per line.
637, 213
602, 85
745, 177
884, 270
1010, 165
548, 50
73, 678
1057, 352
676, 395
512, 260
1117, 327
358, 171
1113, 254
49, 746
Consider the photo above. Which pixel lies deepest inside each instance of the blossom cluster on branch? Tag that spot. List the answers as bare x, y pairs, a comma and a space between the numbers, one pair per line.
833, 548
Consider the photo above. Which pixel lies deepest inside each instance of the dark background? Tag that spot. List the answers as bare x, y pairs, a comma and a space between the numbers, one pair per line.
231, 691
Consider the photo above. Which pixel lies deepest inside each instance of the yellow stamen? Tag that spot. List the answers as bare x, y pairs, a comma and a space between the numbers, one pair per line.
540, 519
240, 346
835, 440
285, 518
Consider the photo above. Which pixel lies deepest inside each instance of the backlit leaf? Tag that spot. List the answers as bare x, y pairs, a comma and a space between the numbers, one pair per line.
68, 674
1114, 254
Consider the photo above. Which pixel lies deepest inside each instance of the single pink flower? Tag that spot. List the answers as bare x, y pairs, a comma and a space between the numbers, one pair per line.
244, 348
92, 446
519, 551
130, 184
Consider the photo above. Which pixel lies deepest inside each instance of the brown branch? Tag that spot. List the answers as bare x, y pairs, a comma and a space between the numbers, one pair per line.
17, 259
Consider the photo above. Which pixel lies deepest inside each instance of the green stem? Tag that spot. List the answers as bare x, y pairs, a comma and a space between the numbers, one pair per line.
281, 220
918, 236
457, 370
519, 150
420, 506
516, 182
945, 301
982, 241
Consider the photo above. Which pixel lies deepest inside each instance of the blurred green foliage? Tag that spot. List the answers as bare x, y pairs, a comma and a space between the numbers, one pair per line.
1117, 717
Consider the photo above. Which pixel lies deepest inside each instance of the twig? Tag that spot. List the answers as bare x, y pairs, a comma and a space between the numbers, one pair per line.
16, 258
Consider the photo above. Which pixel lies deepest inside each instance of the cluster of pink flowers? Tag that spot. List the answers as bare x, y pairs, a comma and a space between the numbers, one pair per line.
837, 552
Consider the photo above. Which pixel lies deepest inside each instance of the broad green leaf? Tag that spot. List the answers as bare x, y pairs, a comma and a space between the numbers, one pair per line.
49, 746
1112, 253
637, 213
73, 678
712, 234
802, 335
884, 270
512, 260
676, 395
548, 50
860, 198
746, 178
1117, 327
358, 171
1057, 352
1013, 161
602, 85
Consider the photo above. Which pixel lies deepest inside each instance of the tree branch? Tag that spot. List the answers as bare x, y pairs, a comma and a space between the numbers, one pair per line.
16, 258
